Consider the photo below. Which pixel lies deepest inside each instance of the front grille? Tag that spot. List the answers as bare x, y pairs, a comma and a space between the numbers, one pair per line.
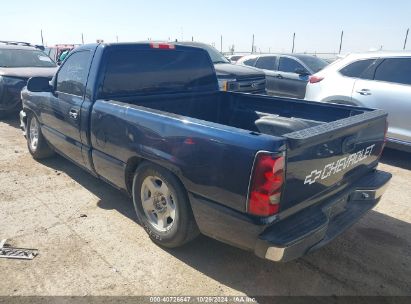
251, 85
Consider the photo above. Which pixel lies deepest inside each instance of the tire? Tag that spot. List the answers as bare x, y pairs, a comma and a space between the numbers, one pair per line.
36, 143
166, 216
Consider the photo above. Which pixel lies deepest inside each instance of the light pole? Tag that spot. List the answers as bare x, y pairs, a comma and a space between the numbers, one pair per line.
292, 50
406, 37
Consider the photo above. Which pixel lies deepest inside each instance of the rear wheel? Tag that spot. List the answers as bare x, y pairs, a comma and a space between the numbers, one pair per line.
36, 143
162, 206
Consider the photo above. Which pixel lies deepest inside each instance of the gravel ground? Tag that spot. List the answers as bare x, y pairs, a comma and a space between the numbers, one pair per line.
90, 244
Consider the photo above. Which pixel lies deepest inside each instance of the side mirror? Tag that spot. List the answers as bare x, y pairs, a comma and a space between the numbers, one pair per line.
301, 72
39, 84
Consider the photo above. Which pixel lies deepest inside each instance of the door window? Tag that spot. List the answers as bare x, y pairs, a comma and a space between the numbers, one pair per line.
357, 68
266, 63
289, 65
396, 70
72, 76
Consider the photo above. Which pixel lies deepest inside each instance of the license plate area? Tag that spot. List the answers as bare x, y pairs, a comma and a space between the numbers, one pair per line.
337, 208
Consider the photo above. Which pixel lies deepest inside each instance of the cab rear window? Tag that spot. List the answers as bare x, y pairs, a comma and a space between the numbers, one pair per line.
131, 72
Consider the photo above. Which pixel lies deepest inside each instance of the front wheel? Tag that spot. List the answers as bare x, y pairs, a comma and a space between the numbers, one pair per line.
36, 143
162, 206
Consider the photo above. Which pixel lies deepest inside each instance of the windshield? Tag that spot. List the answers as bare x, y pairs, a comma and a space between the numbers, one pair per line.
314, 63
16, 58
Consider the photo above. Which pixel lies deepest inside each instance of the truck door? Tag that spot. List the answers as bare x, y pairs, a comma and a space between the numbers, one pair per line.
389, 88
61, 112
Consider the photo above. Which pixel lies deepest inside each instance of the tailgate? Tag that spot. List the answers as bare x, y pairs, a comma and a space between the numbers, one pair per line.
330, 156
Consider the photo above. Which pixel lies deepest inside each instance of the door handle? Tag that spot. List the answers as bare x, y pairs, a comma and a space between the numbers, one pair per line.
279, 76
73, 114
364, 92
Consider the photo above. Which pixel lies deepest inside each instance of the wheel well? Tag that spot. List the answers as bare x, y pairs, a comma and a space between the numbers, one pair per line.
27, 111
133, 163
131, 167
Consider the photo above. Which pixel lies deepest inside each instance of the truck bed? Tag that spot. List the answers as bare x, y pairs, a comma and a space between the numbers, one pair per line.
256, 113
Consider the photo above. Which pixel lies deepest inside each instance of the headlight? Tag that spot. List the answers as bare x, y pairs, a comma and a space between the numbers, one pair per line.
225, 84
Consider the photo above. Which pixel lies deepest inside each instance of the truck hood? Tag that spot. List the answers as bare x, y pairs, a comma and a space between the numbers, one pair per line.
228, 70
28, 72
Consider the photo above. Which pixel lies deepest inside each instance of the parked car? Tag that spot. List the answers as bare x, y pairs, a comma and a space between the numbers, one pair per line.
230, 76
240, 168
55, 52
377, 80
286, 74
234, 58
18, 62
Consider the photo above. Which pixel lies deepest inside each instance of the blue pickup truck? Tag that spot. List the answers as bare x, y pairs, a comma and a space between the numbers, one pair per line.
280, 177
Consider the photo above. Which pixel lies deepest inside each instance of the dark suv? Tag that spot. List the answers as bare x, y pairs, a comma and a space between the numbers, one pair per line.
233, 77
18, 62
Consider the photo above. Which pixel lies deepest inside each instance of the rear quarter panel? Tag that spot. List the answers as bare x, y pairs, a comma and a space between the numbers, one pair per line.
211, 160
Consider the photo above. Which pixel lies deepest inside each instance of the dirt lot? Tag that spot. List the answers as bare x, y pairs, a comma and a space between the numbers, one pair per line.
43, 205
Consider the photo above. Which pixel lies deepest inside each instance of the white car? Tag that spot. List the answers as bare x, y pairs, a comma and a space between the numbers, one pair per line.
380, 80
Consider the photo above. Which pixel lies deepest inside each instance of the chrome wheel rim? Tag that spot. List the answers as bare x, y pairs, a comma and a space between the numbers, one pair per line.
34, 134
158, 202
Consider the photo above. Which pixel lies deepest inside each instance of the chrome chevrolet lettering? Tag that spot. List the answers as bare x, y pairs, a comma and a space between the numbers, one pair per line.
339, 165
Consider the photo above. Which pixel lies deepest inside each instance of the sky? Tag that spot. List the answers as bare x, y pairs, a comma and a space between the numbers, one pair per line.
317, 24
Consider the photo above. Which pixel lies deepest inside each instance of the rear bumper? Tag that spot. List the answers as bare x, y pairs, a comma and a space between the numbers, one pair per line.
296, 235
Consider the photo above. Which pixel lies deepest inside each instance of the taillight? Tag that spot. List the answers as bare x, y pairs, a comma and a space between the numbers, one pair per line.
164, 46
315, 79
266, 185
